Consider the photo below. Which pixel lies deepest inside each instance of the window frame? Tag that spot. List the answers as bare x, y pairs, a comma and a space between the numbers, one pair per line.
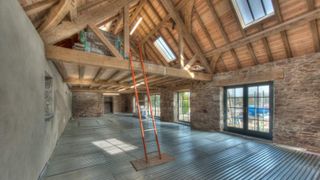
165, 51
254, 22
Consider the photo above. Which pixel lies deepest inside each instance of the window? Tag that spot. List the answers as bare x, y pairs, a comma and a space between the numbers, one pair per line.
253, 11
48, 94
164, 49
183, 106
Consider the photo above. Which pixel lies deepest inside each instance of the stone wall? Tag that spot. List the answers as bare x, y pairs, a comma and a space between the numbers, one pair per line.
297, 99
297, 104
87, 104
205, 106
167, 105
122, 103
27, 135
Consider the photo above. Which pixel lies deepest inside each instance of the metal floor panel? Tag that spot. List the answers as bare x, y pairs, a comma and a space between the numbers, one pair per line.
102, 148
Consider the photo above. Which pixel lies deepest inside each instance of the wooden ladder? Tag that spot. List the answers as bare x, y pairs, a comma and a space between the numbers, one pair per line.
142, 129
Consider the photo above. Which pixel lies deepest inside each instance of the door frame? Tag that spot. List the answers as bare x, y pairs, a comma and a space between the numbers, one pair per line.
245, 130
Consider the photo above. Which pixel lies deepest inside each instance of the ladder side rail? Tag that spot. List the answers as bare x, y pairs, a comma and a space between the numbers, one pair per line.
138, 106
149, 101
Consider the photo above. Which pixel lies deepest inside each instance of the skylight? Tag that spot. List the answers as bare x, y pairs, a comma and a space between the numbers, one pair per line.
253, 11
164, 49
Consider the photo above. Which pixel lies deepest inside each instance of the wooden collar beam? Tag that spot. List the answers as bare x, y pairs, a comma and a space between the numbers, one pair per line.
67, 29
60, 54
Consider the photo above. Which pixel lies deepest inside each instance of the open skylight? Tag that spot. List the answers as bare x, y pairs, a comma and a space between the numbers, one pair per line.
164, 49
253, 11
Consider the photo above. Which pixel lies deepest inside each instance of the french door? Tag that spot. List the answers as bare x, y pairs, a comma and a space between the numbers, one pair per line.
248, 109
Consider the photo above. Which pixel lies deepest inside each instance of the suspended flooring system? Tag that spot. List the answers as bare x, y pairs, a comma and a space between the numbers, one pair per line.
102, 148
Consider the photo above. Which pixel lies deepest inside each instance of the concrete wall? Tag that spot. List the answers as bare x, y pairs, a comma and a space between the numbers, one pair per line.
296, 96
87, 104
26, 139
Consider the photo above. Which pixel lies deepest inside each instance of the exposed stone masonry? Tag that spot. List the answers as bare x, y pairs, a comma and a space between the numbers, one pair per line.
167, 105
297, 100
85, 104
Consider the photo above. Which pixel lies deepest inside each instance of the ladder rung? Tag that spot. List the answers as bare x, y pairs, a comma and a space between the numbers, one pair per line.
148, 129
146, 120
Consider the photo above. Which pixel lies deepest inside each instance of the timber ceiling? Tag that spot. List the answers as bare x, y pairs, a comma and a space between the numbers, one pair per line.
212, 37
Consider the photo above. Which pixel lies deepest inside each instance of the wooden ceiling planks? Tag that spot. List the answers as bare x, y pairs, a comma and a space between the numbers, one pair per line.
294, 41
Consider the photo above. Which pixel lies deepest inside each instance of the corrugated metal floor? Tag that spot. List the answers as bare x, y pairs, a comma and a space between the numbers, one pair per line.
101, 148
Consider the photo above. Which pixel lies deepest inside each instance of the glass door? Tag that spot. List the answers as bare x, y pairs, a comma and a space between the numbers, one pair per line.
248, 109
183, 106
234, 98
155, 101
259, 108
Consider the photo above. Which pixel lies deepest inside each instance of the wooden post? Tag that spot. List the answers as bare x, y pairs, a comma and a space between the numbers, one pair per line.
126, 31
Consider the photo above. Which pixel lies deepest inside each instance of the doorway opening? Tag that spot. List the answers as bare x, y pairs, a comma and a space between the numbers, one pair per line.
108, 105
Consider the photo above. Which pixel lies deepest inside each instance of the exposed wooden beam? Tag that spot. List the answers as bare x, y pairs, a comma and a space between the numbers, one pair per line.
284, 35
214, 62
105, 41
187, 14
163, 21
99, 74
39, 6
61, 54
67, 29
267, 47
243, 32
56, 15
132, 18
294, 22
87, 82
154, 25
118, 23
314, 27
191, 62
167, 30
81, 71
181, 44
235, 57
187, 36
90, 5
73, 12
79, 89
222, 31
165, 27
126, 31
204, 29
217, 20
